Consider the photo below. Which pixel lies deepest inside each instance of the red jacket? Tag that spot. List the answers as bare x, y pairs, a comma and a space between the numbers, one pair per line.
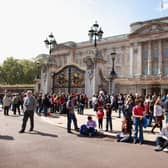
100, 114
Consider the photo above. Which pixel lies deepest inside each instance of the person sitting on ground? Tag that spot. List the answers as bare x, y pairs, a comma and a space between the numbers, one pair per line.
162, 140
126, 134
88, 129
91, 126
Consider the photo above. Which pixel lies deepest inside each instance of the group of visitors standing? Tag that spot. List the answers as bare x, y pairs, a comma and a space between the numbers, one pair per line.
14, 101
57, 103
136, 111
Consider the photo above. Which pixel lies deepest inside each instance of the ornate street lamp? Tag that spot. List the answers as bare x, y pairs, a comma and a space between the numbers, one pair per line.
95, 33
50, 42
113, 74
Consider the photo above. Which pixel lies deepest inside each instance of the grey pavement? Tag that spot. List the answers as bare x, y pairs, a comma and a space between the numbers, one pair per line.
50, 146
60, 120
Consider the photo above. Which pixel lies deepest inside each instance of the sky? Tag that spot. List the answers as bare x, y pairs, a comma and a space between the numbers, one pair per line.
25, 24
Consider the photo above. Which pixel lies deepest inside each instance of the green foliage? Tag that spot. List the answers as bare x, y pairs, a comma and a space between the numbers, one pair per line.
14, 71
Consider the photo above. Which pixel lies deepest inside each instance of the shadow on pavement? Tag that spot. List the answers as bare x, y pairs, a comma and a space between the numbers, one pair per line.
99, 135
152, 143
13, 115
6, 137
43, 134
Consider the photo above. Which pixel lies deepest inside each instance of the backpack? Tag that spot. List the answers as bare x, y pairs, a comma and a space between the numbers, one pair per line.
83, 130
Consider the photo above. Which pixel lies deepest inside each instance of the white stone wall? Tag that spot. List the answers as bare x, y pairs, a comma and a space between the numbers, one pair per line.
129, 62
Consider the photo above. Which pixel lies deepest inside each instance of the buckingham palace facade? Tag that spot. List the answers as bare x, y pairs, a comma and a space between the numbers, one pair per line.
141, 63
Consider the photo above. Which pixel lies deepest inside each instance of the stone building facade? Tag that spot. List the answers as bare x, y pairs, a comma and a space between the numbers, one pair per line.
141, 63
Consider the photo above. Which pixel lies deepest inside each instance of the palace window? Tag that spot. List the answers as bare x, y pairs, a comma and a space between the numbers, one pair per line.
155, 53
145, 70
145, 52
166, 70
165, 52
155, 69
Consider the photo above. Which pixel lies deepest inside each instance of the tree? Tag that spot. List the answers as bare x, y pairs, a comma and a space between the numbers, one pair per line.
30, 70
14, 71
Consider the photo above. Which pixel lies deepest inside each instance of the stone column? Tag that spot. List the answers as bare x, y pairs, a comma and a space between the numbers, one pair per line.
160, 66
139, 60
131, 60
149, 58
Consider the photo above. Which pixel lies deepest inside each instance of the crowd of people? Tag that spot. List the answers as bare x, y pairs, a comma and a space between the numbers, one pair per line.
136, 111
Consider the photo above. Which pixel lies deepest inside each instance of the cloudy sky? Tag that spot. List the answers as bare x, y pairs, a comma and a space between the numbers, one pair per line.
25, 24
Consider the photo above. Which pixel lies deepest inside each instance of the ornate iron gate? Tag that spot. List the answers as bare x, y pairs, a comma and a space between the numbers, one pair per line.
70, 79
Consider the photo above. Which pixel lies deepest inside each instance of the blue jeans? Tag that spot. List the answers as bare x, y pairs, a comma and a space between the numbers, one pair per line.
81, 108
151, 117
120, 110
127, 138
138, 124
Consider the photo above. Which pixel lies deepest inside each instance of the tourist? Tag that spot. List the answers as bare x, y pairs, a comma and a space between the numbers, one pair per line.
46, 104
138, 112
162, 140
16, 102
166, 108
126, 131
158, 114
120, 105
71, 114
89, 129
7, 101
108, 110
100, 115
29, 106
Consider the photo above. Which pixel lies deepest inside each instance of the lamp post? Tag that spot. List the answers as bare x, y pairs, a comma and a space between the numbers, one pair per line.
51, 43
95, 34
53, 82
113, 74
38, 69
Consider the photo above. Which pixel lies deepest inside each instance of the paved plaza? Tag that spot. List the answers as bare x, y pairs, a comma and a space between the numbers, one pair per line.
60, 120
49, 145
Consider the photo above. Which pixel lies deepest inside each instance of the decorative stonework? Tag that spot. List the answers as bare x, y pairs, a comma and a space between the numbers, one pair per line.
131, 59
150, 28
